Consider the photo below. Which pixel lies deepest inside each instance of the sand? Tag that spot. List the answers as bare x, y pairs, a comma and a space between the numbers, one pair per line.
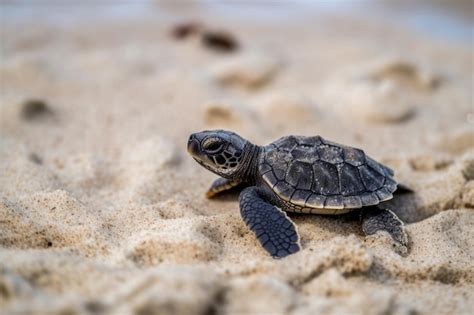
102, 210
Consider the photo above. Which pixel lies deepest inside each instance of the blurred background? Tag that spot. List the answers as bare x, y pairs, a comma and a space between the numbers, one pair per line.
103, 211
452, 19
94, 45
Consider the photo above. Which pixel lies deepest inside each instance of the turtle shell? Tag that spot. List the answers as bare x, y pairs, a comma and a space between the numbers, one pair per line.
312, 172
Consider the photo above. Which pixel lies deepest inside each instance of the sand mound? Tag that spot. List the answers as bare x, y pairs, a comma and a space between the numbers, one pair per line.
180, 241
285, 110
388, 90
35, 223
251, 70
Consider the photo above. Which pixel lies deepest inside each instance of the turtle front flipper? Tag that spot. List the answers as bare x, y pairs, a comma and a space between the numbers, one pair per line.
219, 185
379, 219
273, 228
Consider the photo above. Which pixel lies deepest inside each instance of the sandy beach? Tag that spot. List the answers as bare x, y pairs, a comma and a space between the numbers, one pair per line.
102, 210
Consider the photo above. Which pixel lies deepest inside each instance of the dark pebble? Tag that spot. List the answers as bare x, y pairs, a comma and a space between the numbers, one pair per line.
220, 41
33, 157
183, 30
34, 108
96, 307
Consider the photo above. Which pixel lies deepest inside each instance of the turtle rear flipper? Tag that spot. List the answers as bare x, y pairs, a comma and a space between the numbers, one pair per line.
378, 219
273, 228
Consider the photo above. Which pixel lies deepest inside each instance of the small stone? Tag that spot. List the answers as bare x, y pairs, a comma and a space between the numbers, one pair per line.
35, 158
34, 109
186, 29
219, 41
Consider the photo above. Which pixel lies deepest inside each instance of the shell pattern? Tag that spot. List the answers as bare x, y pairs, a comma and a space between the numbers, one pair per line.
309, 173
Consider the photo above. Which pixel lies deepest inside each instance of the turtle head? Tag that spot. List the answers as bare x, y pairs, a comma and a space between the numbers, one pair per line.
222, 152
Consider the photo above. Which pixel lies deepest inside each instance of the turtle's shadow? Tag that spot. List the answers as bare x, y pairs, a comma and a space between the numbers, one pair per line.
409, 207
342, 224
405, 204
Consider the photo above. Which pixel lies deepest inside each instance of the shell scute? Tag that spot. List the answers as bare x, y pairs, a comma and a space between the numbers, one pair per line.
330, 154
352, 202
286, 143
325, 178
310, 141
311, 172
351, 183
372, 180
279, 169
264, 168
334, 202
353, 156
284, 189
300, 196
316, 201
300, 175
376, 166
369, 199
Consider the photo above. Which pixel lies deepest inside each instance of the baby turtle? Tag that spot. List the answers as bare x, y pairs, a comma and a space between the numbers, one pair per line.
297, 174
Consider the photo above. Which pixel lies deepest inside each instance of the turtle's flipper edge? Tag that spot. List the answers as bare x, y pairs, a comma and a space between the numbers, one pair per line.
273, 228
379, 219
219, 185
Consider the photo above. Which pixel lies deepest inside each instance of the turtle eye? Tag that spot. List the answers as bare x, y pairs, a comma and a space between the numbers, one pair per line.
212, 145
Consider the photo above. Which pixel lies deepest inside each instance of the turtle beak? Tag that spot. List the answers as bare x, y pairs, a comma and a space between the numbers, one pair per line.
193, 146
